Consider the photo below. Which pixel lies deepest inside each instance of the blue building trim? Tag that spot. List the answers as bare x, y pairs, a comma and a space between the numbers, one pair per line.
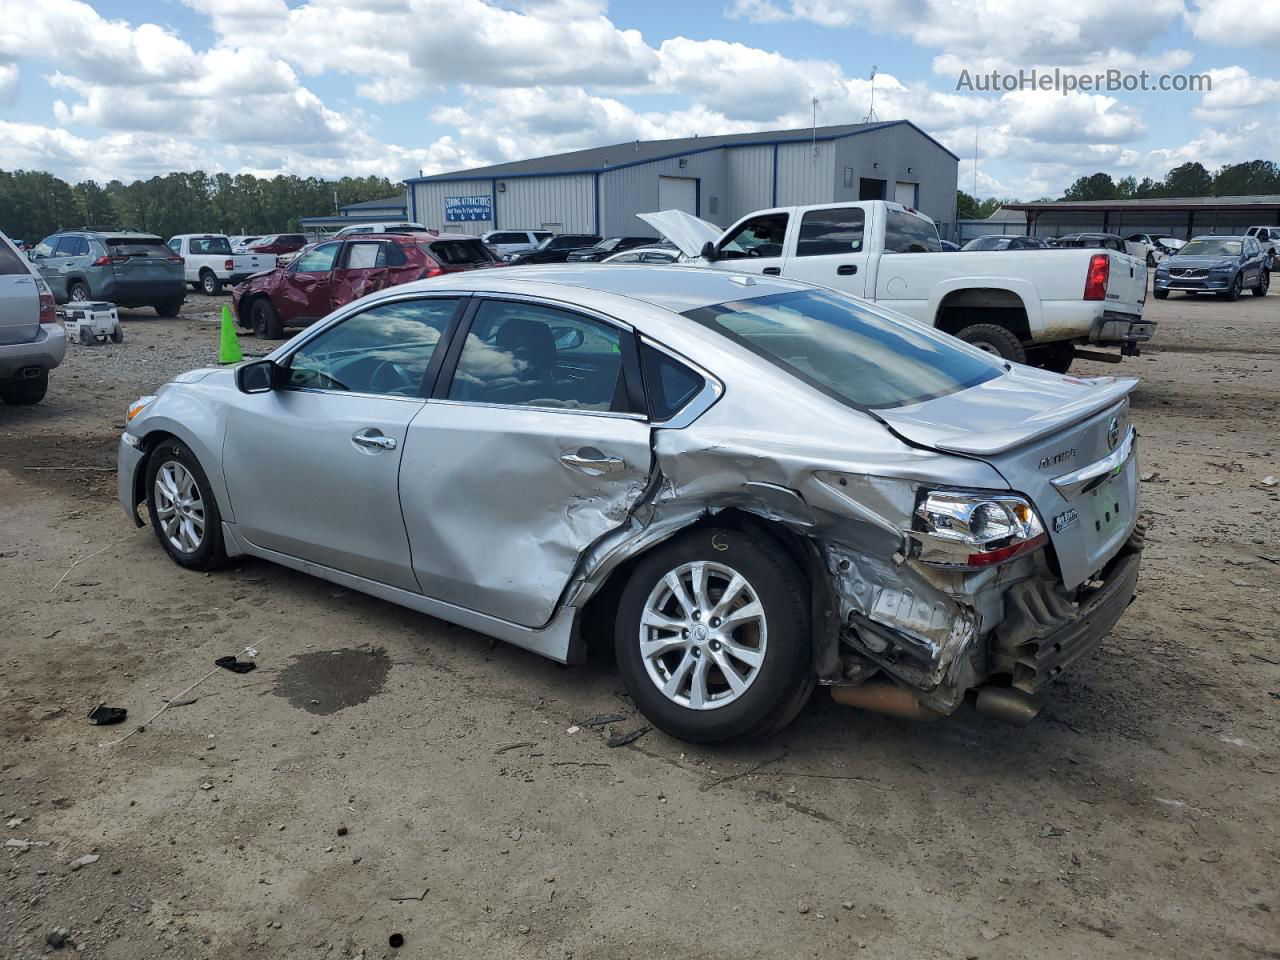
596, 171
697, 196
413, 204
493, 194
773, 195
595, 204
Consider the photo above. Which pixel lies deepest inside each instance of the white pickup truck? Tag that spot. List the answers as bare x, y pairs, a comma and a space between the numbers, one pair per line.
208, 262
1028, 306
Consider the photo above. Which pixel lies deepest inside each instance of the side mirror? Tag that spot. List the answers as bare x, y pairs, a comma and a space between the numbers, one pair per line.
567, 338
260, 376
709, 252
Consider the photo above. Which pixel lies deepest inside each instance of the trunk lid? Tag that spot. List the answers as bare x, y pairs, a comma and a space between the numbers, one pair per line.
138, 260
1062, 442
686, 231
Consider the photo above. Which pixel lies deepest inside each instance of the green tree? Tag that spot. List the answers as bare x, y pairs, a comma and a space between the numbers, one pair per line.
1099, 186
1188, 180
1250, 177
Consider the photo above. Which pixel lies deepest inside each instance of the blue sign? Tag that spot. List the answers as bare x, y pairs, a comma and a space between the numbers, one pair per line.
461, 209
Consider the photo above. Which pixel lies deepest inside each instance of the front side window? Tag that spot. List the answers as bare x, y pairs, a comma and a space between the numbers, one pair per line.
385, 350
319, 260
535, 356
826, 232
848, 351
757, 237
907, 233
45, 247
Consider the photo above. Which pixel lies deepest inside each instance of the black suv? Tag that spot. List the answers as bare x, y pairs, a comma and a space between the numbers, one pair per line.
554, 249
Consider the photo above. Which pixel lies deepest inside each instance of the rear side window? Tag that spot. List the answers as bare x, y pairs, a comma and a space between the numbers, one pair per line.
509, 238
217, 246
460, 252
74, 247
668, 384
292, 238
906, 233
129, 247
11, 264
365, 256
851, 353
825, 232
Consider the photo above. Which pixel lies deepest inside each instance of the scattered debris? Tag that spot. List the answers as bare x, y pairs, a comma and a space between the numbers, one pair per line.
1152, 476
234, 665
412, 896
1269, 481
574, 729
1265, 659
342, 831
1211, 856
19, 821
989, 934
599, 720
515, 746
84, 861
802, 908
396, 940
1263, 556
14, 843
523, 928
104, 716
206, 785
57, 939
622, 739
1049, 830
90, 556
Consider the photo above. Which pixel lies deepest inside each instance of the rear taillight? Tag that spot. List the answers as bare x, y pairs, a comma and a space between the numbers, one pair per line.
48, 307
103, 262
228, 264
1095, 284
434, 270
174, 259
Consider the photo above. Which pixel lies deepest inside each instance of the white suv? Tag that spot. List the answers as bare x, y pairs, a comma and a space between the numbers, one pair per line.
1269, 238
503, 242
377, 228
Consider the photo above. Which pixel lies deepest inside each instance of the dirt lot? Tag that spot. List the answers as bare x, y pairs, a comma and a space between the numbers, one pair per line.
376, 754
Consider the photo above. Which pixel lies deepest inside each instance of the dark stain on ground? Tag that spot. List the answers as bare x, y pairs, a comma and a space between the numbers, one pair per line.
327, 681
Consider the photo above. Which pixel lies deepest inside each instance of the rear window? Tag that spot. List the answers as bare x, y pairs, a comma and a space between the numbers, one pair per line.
211, 245
139, 247
10, 263
906, 233
459, 252
847, 351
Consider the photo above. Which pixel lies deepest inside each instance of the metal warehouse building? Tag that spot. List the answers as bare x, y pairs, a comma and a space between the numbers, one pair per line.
719, 179
1178, 217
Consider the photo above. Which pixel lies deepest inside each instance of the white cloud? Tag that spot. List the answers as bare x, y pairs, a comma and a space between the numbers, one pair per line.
1235, 88
8, 83
1236, 23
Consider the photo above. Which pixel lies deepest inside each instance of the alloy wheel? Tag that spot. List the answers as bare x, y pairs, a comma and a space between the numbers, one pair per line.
703, 635
179, 507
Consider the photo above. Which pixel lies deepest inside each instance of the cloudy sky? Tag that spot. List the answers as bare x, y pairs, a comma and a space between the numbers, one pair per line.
127, 88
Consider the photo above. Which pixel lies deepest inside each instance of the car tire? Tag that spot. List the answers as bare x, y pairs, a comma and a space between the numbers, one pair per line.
992, 338
78, 290
1151, 259
1237, 288
188, 526
769, 652
23, 393
210, 285
1259, 289
265, 320
117, 335
1161, 294
170, 309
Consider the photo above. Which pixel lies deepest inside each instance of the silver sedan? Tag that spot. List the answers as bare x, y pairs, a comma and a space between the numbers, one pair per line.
749, 486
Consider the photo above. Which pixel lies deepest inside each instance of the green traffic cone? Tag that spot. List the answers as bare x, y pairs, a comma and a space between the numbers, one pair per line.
228, 342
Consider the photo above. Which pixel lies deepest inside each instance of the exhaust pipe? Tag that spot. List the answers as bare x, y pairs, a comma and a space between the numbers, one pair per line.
1008, 705
883, 697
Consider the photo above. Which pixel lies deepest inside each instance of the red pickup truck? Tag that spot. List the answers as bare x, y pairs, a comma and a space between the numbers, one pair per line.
333, 274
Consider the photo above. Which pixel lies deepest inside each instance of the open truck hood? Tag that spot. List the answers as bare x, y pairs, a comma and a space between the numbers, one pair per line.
686, 231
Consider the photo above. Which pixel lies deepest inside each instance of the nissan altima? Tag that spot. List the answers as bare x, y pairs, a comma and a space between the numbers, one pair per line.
747, 485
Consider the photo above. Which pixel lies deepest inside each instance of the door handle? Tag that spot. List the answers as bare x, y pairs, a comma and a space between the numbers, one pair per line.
771, 271
847, 269
371, 438
590, 460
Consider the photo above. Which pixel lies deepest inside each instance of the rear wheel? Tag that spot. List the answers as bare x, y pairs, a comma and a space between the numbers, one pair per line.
78, 290
169, 309
1057, 357
23, 393
1259, 289
712, 637
184, 514
265, 320
994, 339
117, 335
210, 283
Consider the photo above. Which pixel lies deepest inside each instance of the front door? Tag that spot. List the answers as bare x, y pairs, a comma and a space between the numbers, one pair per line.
531, 454
831, 249
313, 468
307, 293
755, 245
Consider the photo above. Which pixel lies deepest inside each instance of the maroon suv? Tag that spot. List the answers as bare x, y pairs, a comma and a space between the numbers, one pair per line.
279, 243
333, 274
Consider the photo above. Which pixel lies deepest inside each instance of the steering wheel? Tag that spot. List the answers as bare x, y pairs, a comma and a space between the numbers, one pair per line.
753, 252
390, 377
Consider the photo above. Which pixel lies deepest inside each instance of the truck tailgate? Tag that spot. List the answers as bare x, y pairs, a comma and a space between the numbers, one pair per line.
253, 262
1126, 283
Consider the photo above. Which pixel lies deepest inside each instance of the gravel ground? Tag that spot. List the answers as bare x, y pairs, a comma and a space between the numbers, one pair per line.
377, 755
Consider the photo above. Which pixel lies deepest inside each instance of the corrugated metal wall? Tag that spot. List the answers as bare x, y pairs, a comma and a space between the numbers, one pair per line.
562, 204
632, 190
429, 201
749, 172
902, 154
804, 177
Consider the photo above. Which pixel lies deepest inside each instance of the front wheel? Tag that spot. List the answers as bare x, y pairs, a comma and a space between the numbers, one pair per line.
265, 320
1237, 288
712, 637
994, 339
1161, 294
184, 514
1259, 289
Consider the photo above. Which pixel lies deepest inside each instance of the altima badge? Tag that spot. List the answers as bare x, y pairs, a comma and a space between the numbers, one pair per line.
1064, 520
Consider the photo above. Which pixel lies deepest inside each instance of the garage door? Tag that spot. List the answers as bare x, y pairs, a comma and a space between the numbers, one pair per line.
905, 193
678, 193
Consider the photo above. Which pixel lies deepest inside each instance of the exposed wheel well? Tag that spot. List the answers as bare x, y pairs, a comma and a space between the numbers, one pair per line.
150, 442
963, 308
244, 315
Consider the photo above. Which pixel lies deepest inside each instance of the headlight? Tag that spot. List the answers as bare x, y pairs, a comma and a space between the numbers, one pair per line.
973, 528
137, 407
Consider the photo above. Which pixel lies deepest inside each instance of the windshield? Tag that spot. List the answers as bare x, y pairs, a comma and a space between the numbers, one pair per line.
988, 243
1209, 247
840, 347
544, 244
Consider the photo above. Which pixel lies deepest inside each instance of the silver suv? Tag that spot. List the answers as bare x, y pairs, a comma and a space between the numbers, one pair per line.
124, 267
32, 341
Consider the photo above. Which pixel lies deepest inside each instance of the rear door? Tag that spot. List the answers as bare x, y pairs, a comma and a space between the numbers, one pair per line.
552, 396
362, 269
19, 297
831, 250
307, 292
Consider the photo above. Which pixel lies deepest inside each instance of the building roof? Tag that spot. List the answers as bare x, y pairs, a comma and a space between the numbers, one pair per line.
633, 152
1263, 201
397, 203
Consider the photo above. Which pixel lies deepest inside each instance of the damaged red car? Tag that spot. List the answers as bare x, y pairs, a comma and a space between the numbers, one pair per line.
338, 272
